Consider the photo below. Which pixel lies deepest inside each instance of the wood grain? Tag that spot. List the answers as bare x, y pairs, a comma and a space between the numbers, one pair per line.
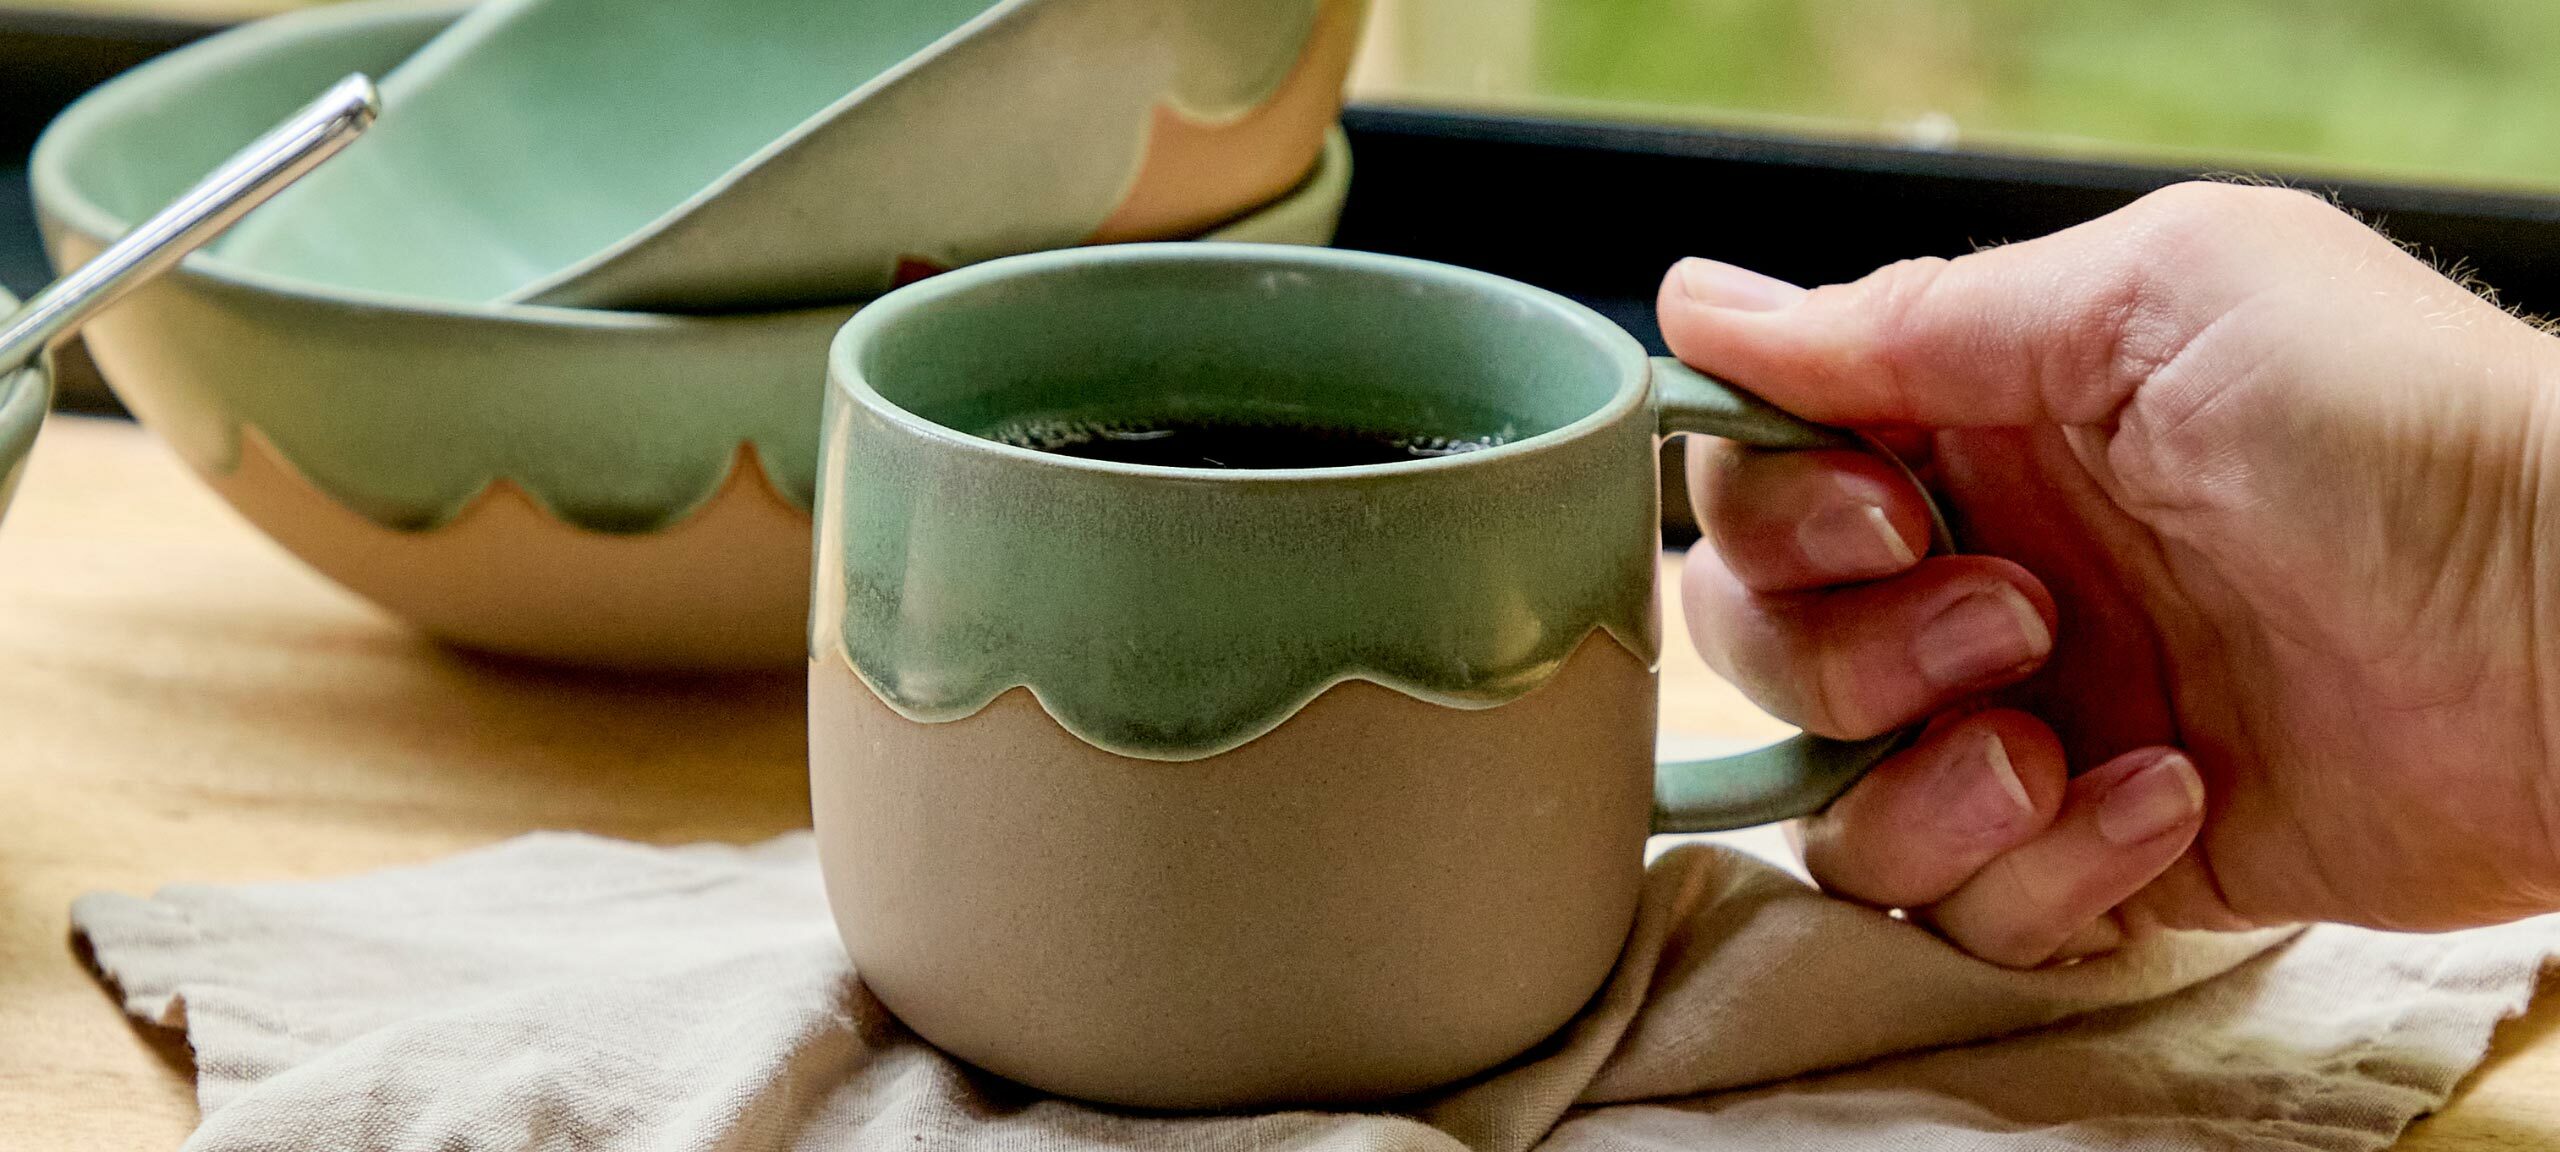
181, 701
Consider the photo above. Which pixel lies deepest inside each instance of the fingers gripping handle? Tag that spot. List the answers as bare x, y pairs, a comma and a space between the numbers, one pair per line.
1801, 775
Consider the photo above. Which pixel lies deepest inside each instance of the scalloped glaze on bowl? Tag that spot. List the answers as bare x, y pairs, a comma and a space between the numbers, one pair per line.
725, 587
560, 484
521, 157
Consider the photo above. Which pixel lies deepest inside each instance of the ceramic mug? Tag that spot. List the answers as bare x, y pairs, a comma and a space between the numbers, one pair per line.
1190, 788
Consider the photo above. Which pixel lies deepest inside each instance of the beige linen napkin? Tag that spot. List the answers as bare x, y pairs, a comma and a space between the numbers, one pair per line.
564, 991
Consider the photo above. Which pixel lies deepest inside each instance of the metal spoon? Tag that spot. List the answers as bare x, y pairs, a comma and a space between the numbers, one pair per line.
243, 182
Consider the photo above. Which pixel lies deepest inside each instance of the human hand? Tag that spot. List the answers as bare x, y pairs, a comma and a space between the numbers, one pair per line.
2262, 519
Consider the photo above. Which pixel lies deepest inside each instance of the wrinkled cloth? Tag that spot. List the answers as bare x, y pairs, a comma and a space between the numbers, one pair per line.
565, 991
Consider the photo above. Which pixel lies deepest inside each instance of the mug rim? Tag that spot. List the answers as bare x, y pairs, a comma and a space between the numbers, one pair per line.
843, 374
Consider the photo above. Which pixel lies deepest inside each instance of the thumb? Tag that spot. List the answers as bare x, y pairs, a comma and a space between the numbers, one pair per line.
2062, 329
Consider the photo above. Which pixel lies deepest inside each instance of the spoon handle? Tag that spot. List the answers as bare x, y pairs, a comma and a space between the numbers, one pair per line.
243, 182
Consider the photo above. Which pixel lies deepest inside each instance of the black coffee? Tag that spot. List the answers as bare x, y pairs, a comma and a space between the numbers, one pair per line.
1238, 444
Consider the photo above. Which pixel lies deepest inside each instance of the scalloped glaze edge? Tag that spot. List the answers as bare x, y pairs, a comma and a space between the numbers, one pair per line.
1503, 690
1256, 153
1290, 217
1014, 35
745, 475
745, 460
724, 587
1263, 152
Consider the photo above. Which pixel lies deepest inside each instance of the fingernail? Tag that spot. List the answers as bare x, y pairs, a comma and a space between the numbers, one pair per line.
1853, 540
2151, 802
1981, 636
1721, 285
1993, 796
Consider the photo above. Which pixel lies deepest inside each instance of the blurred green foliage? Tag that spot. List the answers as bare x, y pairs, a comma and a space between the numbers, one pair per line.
2464, 90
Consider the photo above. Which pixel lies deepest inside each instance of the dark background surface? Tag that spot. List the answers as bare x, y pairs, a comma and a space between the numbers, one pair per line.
47, 60
1599, 211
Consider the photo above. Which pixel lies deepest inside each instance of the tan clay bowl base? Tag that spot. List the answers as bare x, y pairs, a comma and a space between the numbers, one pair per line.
727, 587
1254, 158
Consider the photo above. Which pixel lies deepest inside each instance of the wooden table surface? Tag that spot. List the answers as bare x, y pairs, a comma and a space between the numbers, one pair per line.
181, 701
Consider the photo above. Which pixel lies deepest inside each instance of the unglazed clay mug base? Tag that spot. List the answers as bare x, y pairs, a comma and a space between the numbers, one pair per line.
1184, 788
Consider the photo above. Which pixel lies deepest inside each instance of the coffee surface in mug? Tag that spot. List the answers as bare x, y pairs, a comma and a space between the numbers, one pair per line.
1231, 443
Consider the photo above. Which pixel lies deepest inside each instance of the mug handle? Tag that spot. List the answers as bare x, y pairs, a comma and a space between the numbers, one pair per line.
1801, 775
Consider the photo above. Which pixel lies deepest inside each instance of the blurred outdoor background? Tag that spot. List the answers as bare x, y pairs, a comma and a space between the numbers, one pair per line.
2454, 91
2457, 91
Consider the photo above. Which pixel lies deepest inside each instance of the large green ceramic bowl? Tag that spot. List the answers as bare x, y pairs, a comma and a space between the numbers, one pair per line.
24, 395
718, 155
607, 488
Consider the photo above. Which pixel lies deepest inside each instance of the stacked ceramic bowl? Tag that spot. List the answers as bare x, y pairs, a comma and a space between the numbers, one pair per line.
537, 365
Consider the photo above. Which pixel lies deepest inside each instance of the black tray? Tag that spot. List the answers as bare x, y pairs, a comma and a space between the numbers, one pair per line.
1598, 211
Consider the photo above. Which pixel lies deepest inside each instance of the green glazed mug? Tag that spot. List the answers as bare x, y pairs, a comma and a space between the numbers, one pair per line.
1186, 788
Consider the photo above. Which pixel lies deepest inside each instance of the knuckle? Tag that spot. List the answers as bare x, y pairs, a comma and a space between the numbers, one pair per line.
1829, 852
1763, 646
2190, 253
1901, 298
2008, 943
1712, 466
2204, 234
2217, 211
2019, 924
1777, 666
1830, 693
1858, 861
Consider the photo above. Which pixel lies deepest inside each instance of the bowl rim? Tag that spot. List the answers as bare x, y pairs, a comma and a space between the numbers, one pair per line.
998, 13
58, 195
998, 16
